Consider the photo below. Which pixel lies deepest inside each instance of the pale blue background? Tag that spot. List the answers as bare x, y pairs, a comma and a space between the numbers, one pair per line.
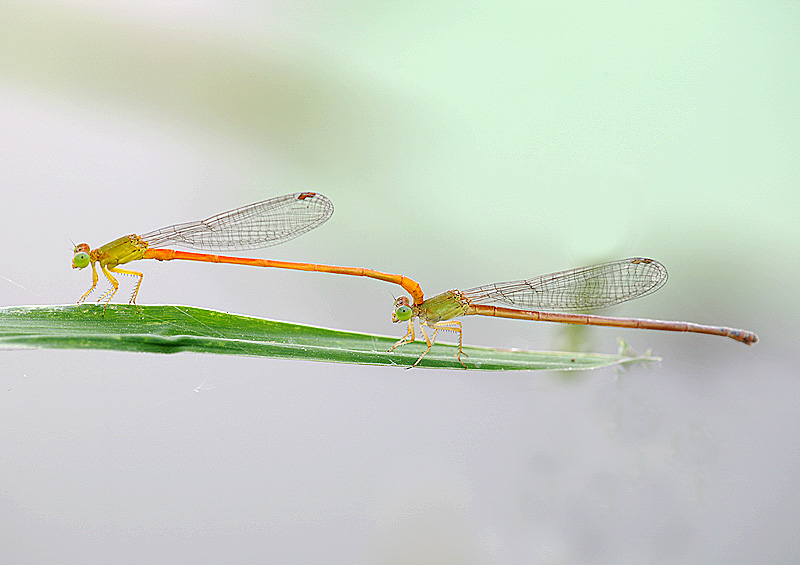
461, 145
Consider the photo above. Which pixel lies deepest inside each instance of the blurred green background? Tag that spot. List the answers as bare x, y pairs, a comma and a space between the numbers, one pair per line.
462, 144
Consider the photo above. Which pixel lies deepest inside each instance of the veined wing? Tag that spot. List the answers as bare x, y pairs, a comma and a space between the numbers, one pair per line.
584, 288
254, 226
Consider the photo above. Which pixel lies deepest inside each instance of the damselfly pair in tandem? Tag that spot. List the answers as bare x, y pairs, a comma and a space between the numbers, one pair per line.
283, 218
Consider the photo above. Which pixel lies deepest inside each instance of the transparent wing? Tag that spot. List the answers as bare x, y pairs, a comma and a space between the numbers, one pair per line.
262, 224
584, 288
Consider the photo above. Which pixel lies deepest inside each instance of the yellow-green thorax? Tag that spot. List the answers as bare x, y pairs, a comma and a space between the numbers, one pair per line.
443, 306
122, 250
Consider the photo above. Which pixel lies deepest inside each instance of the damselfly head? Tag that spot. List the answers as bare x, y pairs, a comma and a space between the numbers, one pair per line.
81, 258
402, 310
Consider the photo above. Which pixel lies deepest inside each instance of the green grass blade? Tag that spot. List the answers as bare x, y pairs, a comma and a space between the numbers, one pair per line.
173, 329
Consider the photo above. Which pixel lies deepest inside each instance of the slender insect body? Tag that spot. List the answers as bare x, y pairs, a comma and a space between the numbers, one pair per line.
254, 226
591, 287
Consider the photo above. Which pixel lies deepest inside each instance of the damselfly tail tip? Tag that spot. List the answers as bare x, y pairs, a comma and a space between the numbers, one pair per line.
746, 337
749, 338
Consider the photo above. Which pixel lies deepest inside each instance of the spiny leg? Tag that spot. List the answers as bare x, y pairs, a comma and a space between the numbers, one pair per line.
94, 285
448, 326
137, 274
111, 291
427, 341
408, 338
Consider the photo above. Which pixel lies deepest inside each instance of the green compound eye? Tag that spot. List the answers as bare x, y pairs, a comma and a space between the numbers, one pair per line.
80, 260
403, 313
